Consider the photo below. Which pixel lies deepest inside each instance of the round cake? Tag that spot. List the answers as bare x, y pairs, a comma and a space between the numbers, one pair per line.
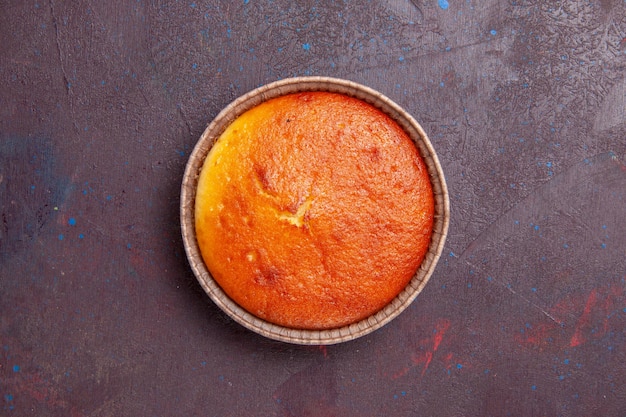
313, 210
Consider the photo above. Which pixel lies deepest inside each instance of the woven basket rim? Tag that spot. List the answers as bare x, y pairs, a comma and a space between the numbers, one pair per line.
284, 87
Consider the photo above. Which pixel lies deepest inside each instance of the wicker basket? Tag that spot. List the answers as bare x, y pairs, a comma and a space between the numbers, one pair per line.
402, 300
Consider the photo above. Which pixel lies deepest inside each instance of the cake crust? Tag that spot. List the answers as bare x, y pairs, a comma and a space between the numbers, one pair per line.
313, 210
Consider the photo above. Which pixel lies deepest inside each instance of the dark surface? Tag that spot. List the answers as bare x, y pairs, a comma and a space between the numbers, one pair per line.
102, 102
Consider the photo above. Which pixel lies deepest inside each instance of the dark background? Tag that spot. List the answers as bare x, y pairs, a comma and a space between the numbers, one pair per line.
102, 102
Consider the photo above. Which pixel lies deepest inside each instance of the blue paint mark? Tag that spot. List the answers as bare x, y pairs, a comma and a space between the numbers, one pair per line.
452, 254
441, 84
72, 221
603, 246
128, 245
534, 388
536, 227
533, 289
8, 397
401, 59
443, 4
16, 368
193, 5
81, 236
566, 361
565, 245
561, 377
448, 49
493, 32
306, 46
61, 236
246, 1
549, 164
469, 285
194, 66
459, 366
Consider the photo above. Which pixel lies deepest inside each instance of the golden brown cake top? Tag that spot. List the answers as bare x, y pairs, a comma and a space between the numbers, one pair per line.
313, 210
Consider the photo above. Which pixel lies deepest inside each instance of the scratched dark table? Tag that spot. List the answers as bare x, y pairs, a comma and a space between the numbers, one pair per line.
102, 102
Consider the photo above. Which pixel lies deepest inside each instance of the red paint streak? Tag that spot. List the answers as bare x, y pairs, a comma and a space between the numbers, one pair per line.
324, 350
423, 359
321, 348
536, 336
429, 358
441, 329
447, 360
584, 320
42, 391
592, 313
401, 372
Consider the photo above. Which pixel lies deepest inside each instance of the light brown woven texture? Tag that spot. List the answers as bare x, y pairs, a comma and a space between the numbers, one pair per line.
188, 194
